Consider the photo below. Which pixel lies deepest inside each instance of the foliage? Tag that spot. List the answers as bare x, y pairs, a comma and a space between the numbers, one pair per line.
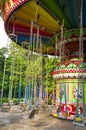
22, 67
47, 69
4, 100
49, 101
15, 101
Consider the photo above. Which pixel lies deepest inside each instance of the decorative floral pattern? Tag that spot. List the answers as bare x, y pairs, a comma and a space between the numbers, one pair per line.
9, 5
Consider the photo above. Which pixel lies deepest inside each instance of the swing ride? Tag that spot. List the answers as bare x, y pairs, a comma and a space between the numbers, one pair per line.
57, 28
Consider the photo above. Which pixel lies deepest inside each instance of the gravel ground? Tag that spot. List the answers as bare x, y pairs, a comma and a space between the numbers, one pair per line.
17, 120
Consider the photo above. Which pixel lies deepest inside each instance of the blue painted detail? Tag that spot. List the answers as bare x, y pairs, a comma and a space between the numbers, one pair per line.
21, 39
19, 93
37, 89
26, 94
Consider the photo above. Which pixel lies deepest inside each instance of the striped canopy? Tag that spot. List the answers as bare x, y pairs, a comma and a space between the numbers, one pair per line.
49, 15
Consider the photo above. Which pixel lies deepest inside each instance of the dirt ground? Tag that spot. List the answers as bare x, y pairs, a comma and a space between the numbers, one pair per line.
17, 120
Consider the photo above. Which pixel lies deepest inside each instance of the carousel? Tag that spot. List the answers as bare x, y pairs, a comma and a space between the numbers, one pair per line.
60, 27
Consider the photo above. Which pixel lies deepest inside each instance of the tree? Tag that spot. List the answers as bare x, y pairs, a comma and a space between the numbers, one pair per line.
49, 63
22, 66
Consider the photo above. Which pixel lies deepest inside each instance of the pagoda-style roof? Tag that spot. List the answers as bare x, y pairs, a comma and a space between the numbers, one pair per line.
70, 69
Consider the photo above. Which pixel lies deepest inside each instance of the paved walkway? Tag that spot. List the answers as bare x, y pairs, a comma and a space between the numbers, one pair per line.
15, 120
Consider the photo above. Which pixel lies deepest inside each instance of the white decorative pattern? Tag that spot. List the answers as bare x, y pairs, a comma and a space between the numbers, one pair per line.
69, 75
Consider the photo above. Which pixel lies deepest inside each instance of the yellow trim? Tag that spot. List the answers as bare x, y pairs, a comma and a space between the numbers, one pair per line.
78, 119
67, 80
55, 115
27, 12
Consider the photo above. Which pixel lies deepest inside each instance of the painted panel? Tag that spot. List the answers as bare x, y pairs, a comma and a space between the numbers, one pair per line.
8, 5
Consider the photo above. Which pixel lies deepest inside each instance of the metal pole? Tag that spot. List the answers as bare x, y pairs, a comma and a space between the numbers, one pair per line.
6, 56
61, 44
3, 80
80, 76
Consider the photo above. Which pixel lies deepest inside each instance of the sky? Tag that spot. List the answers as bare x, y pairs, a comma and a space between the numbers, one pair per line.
3, 36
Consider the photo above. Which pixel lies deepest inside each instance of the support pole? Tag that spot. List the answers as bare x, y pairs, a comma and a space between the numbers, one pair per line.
80, 75
6, 56
3, 80
62, 44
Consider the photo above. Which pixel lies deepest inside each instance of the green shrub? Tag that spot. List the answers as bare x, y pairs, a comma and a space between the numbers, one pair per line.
4, 100
15, 101
49, 101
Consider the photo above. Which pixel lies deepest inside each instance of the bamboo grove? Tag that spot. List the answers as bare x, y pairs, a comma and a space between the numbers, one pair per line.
21, 69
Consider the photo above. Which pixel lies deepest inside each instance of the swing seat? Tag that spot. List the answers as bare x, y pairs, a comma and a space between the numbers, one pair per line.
32, 113
44, 106
78, 119
37, 110
5, 107
23, 106
55, 115
79, 123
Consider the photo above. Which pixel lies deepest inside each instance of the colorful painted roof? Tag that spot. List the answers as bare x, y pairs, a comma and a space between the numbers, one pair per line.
48, 14
53, 10
70, 69
69, 10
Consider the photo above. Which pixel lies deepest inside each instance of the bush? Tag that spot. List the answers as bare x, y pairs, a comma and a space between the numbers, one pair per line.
49, 101
15, 101
4, 100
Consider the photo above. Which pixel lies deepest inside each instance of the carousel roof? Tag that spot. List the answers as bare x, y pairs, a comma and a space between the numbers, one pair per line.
70, 69
49, 14
69, 10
